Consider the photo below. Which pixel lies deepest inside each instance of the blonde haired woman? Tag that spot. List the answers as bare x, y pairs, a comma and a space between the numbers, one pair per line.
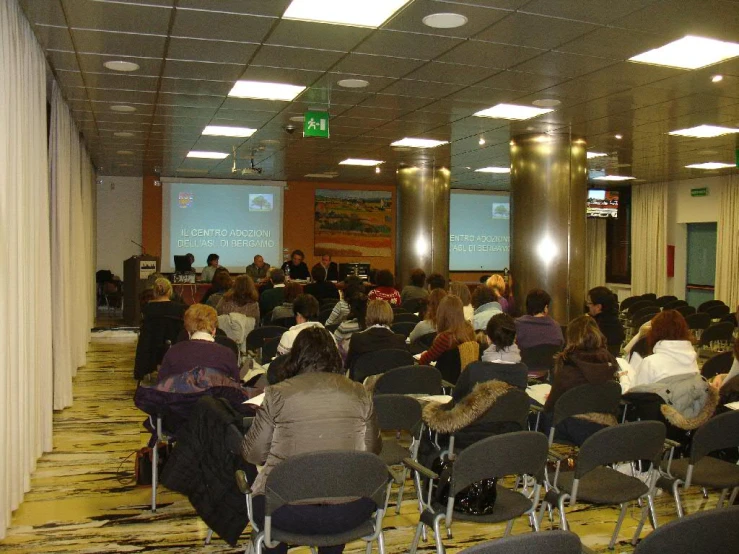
496, 283
161, 305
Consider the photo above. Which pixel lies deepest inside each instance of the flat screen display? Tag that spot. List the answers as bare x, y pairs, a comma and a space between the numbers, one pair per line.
602, 203
479, 231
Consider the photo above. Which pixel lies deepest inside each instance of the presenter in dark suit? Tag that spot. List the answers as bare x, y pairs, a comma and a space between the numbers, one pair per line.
295, 267
329, 268
320, 288
377, 335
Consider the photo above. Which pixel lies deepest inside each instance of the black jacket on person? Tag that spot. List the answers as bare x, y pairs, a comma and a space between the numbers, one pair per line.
332, 271
611, 327
162, 322
202, 467
296, 271
374, 338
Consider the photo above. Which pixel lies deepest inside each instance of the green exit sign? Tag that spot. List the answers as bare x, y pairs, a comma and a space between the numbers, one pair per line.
699, 192
315, 124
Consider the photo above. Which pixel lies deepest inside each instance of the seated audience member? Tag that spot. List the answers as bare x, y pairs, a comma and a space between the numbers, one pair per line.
320, 288
496, 283
313, 408
219, 285
536, 327
241, 298
162, 304
638, 347
486, 306
584, 360
428, 324
306, 313
329, 269
435, 281
602, 307
274, 296
352, 324
415, 289
462, 291
209, 271
377, 334
201, 350
501, 336
385, 289
723, 379
292, 291
295, 268
258, 270
353, 286
453, 331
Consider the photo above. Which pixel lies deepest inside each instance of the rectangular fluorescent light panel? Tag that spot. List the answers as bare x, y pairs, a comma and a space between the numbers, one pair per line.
321, 175
221, 131
592, 155
710, 165
689, 53
418, 143
614, 178
493, 170
207, 155
512, 111
358, 13
360, 161
260, 90
704, 131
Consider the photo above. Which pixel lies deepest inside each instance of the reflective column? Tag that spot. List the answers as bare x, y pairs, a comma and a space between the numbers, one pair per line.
548, 196
423, 221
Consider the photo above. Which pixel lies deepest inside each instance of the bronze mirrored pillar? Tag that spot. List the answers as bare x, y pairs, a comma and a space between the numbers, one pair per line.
548, 196
423, 221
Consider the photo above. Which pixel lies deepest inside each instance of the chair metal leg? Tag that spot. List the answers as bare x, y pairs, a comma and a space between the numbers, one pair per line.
416, 537
732, 498
722, 498
208, 536
652, 512
705, 493
646, 508
381, 543
401, 487
368, 548
508, 528
437, 536
562, 517
619, 522
154, 475
676, 496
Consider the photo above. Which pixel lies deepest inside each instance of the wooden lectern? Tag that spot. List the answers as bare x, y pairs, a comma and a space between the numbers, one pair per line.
136, 270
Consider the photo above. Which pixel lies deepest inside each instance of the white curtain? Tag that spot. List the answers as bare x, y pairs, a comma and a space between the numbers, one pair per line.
727, 245
649, 239
25, 289
595, 248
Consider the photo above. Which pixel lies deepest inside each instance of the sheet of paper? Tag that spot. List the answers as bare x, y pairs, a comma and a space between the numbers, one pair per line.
438, 398
732, 405
256, 401
539, 392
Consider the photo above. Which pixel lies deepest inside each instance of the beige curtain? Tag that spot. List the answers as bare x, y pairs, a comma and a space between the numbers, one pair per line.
25, 288
727, 245
595, 257
649, 239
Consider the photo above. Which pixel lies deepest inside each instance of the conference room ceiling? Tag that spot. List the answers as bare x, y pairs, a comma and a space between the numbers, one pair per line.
423, 82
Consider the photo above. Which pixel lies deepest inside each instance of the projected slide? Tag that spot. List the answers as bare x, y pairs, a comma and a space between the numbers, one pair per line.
232, 220
479, 229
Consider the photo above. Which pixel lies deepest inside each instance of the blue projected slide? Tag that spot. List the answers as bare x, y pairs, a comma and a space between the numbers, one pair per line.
234, 221
479, 231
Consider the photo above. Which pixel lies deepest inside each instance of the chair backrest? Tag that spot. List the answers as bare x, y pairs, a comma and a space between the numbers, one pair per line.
709, 303
512, 407
324, 475
256, 338
662, 300
699, 320
705, 531
405, 317
403, 327
498, 456
324, 314
718, 331
423, 342
399, 310
718, 311
720, 363
649, 296
626, 304
604, 398
646, 310
685, 311
730, 318
675, 304
450, 364
410, 379
637, 322
638, 305
637, 440
379, 361
551, 542
269, 349
397, 412
285, 322
413, 306
719, 432
540, 357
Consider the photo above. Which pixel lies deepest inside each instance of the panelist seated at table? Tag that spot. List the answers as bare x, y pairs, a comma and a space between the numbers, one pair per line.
295, 267
210, 270
329, 269
259, 270
320, 288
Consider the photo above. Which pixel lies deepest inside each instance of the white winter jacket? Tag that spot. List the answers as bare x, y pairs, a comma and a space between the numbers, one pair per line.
670, 358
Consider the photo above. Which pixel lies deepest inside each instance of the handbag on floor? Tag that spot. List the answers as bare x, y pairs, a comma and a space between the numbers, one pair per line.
478, 499
145, 461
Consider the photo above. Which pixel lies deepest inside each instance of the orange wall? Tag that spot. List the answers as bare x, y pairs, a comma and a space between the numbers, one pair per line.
151, 217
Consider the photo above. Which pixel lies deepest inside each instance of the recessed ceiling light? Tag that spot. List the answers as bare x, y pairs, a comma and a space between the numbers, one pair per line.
118, 65
222, 131
297, 118
358, 13
125, 152
123, 134
717, 78
360, 161
265, 91
704, 131
512, 111
207, 155
481, 142
418, 143
444, 20
122, 108
377, 169
320, 175
710, 165
353, 83
613, 178
689, 53
591, 155
618, 136
493, 170
547, 102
